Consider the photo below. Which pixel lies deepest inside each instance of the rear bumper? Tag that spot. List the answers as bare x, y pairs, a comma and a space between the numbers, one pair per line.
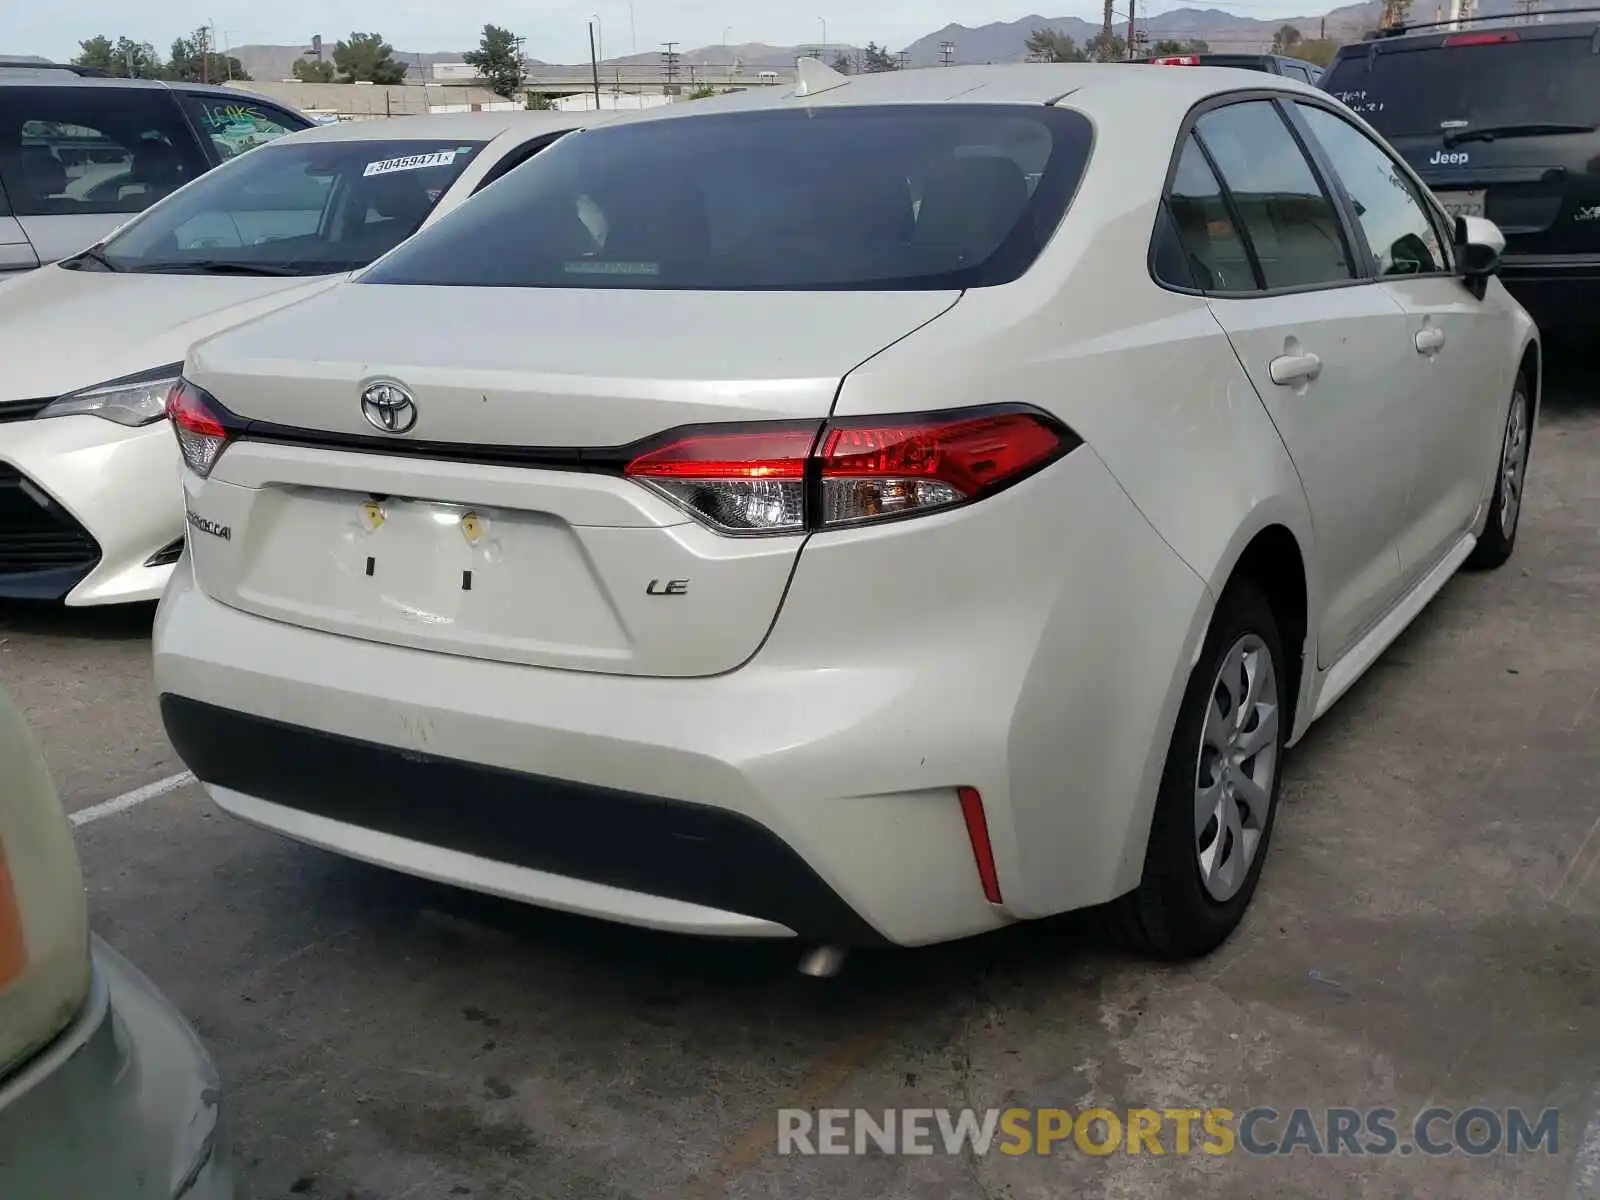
125, 1103
91, 503
1559, 292
708, 868
1033, 647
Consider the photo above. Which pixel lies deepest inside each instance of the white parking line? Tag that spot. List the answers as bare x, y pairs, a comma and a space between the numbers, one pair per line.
110, 808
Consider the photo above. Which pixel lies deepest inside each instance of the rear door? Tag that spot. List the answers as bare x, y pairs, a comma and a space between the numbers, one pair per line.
78, 159
1454, 373
1499, 123
1322, 345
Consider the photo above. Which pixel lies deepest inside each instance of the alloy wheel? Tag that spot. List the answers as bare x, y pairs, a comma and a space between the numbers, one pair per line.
1237, 768
1513, 465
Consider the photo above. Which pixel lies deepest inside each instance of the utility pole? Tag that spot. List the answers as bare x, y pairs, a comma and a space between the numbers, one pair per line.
594, 67
216, 41
1133, 6
669, 68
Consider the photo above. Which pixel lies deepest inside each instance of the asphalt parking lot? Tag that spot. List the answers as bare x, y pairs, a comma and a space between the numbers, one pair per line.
1427, 934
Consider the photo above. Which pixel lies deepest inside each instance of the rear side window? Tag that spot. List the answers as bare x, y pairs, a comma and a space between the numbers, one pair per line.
1414, 91
1217, 259
928, 197
513, 159
77, 149
1399, 230
236, 126
1291, 223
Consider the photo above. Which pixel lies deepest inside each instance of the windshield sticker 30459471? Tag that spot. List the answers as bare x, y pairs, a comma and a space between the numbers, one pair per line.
412, 162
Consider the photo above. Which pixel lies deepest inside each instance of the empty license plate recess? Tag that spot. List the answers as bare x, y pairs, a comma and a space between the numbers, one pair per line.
473, 580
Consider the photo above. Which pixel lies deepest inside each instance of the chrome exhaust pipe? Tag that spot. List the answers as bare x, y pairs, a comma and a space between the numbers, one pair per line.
822, 962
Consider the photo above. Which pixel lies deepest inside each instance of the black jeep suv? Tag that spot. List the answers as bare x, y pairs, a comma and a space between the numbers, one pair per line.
1501, 119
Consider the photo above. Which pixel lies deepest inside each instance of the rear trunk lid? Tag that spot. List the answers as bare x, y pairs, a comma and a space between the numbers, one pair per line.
1503, 123
487, 529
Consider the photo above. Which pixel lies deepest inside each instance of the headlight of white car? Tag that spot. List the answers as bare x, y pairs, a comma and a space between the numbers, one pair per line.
133, 400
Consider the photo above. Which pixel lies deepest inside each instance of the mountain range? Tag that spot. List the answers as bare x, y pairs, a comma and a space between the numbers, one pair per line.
1002, 41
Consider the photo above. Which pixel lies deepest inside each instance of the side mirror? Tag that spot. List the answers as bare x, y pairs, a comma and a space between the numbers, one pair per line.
1479, 245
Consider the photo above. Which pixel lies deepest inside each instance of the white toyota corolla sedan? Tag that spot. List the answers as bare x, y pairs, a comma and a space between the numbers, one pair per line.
90, 507
876, 512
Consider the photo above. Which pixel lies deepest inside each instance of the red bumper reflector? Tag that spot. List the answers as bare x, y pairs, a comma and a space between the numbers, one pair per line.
978, 834
1481, 39
13, 941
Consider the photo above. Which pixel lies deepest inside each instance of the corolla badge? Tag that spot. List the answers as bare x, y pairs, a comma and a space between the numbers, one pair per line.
389, 407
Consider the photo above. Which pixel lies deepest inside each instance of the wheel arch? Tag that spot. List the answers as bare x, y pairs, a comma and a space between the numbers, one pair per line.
1531, 365
1271, 550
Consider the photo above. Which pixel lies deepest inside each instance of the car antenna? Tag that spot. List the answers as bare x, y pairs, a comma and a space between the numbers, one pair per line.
817, 76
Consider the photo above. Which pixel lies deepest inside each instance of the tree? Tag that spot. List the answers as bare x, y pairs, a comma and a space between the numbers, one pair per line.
842, 64
125, 58
97, 53
313, 70
498, 61
1286, 39
1394, 13
1105, 49
703, 92
539, 102
876, 58
193, 62
1052, 46
1317, 50
139, 60
1170, 48
367, 58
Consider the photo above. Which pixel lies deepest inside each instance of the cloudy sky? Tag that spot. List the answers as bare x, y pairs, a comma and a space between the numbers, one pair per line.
555, 32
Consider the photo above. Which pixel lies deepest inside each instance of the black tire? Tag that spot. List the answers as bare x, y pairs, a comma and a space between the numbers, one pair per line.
1495, 547
1171, 914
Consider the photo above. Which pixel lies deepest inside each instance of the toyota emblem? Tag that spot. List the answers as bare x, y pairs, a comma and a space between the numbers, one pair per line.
389, 407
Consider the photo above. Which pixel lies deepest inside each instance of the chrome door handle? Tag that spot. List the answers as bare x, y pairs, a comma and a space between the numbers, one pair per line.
1430, 341
1294, 368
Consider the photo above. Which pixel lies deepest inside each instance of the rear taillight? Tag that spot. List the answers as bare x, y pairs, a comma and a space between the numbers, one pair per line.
737, 481
1481, 39
198, 426
1177, 60
785, 479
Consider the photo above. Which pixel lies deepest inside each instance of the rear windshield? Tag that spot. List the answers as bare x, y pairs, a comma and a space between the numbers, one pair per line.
849, 198
296, 207
1413, 92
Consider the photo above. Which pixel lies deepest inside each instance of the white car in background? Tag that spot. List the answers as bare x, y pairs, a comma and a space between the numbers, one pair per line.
931, 500
90, 508
105, 1091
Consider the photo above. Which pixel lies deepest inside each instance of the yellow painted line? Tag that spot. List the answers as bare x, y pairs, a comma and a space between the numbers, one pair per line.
816, 1087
